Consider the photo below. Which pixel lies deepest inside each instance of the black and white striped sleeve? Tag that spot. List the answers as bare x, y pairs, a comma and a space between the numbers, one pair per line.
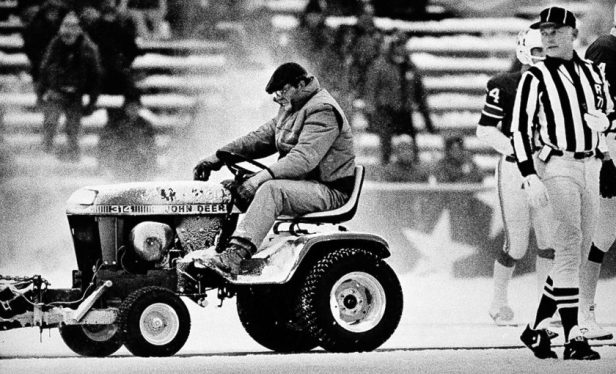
524, 110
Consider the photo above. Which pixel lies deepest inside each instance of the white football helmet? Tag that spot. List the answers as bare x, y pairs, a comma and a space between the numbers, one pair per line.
527, 40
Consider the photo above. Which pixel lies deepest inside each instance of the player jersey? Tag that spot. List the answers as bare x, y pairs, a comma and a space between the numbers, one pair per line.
603, 53
500, 96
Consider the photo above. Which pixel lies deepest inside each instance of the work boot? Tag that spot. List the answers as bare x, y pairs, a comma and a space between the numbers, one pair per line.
578, 348
539, 342
229, 261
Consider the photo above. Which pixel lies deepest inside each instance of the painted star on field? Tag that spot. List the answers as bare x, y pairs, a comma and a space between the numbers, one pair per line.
438, 251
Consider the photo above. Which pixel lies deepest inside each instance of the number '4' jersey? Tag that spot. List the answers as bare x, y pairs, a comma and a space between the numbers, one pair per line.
603, 53
500, 96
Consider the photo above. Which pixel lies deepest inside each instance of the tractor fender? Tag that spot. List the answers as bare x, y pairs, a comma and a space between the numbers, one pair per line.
281, 256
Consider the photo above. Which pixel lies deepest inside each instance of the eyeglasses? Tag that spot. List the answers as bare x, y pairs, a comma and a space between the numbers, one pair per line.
282, 92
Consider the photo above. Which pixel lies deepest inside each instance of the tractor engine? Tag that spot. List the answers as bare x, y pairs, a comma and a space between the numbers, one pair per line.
151, 241
148, 247
134, 233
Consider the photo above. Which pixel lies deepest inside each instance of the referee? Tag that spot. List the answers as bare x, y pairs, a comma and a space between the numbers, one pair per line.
560, 107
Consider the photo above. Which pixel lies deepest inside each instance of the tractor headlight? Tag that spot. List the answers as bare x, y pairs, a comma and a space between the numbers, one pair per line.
151, 240
82, 196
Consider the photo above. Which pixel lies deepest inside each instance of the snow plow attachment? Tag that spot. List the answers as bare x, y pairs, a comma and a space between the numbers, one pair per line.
28, 301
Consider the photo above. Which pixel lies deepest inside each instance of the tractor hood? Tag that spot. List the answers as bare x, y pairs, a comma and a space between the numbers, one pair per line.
150, 198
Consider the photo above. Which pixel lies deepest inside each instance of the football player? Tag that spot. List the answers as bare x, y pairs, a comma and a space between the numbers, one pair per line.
494, 129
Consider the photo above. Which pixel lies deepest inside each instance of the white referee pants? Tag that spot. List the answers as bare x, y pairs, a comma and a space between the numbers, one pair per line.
518, 216
573, 188
605, 233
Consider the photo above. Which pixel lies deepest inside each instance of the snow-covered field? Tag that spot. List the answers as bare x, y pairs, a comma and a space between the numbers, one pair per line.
445, 329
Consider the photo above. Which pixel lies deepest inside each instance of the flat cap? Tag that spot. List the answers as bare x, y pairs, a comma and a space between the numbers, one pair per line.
289, 72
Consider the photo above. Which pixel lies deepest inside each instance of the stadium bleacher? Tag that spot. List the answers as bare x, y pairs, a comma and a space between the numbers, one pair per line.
455, 56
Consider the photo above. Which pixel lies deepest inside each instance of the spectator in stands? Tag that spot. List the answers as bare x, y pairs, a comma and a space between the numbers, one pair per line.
27, 9
366, 49
393, 86
115, 36
337, 66
149, 16
127, 144
313, 40
403, 168
457, 165
70, 69
39, 32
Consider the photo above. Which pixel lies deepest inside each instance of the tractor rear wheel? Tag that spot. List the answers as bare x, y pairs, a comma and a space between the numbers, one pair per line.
350, 301
267, 314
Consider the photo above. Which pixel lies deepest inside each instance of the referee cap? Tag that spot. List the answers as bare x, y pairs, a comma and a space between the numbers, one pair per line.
555, 16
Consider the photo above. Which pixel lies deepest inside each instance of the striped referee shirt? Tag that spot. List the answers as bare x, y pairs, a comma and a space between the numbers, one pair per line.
549, 108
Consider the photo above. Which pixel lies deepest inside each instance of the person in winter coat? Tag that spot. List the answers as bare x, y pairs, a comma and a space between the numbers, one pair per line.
115, 35
39, 31
393, 87
70, 69
315, 170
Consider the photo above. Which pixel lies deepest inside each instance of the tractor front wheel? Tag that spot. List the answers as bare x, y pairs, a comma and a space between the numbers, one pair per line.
154, 321
92, 340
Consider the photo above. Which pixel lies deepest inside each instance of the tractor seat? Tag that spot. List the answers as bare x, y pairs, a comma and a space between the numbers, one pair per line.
338, 215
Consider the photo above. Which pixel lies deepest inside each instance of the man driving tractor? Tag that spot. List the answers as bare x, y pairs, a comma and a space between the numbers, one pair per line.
315, 170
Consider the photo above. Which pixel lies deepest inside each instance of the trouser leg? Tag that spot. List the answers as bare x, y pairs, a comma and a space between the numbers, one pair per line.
574, 194
542, 221
73, 125
516, 224
600, 230
284, 197
51, 117
385, 128
565, 185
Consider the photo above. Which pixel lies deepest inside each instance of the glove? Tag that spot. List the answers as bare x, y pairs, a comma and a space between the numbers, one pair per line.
607, 179
597, 120
536, 193
247, 190
202, 170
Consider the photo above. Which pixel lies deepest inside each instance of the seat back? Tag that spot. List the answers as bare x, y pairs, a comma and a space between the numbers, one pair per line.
338, 215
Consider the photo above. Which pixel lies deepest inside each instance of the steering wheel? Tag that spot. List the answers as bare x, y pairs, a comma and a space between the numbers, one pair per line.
231, 160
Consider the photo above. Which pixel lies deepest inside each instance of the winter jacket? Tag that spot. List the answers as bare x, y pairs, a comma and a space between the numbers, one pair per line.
396, 87
37, 35
313, 139
116, 41
71, 69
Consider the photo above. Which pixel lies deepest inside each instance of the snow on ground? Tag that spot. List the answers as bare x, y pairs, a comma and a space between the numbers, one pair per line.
444, 325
